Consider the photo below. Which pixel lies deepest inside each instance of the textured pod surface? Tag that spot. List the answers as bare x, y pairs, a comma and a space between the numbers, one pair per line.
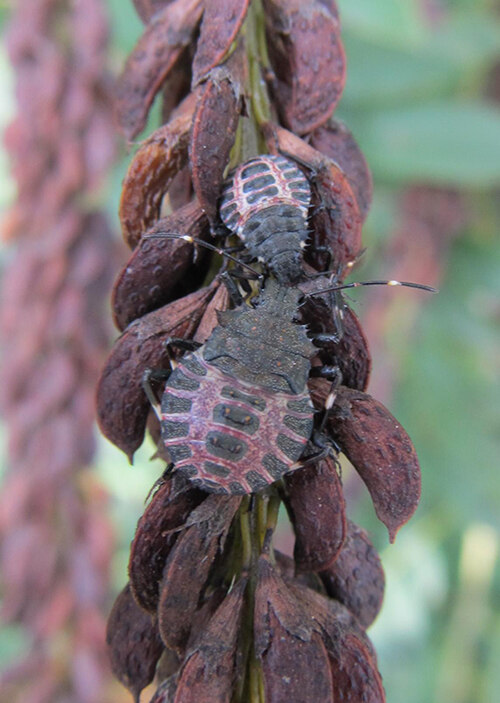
152, 59
212, 668
316, 506
122, 406
212, 137
356, 578
155, 535
350, 353
134, 643
221, 23
308, 59
187, 569
156, 265
147, 8
337, 142
379, 449
154, 166
336, 219
354, 672
293, 658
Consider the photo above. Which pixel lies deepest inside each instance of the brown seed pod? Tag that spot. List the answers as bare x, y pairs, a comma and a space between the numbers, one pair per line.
315, 503
351, 352
378, 448
212, 666
134, 643
146, 9
286, 568
337, 142
293, 658
165, 693
188, 566
156, 265
153, 57
122, 407
356, 578
155, 535
214, 128
308, 59
156, 163
336, 220
354, 672
221, 23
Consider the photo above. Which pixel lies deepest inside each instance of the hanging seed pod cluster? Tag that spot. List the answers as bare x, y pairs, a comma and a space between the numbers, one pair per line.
241, 210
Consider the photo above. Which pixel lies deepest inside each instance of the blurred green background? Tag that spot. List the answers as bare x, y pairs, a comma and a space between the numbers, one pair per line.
421, 98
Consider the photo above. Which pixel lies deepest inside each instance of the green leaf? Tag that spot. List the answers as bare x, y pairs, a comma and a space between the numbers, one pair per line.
444, 143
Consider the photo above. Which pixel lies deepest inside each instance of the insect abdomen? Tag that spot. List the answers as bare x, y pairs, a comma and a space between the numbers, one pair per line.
266, 203
228, 436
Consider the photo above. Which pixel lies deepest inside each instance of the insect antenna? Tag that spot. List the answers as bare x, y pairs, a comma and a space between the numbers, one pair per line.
253, 274
357, 284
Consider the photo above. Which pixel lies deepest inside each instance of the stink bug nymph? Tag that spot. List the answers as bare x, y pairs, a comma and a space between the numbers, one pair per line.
236, 413
265, 202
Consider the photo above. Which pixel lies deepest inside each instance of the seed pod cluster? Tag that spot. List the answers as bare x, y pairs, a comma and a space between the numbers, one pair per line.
56, 540
242, 424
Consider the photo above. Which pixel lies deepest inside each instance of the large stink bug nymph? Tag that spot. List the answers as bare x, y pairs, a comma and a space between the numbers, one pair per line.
236, 413
265, 202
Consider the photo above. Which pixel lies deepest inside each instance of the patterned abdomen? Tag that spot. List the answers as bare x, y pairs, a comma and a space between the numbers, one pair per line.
265, 202
228, 436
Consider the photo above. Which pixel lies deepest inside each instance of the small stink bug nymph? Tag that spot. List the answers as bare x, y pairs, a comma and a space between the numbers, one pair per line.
265, 202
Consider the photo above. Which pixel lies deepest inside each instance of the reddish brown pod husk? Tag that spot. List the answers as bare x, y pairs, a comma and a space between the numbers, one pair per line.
154, 166
308, 60
350, 353
354, 672
214, 129
154, 56
188, 566
156, 533
222, 20
146, 9
336, 219
335, 141
122, 406
292, 655
134, 643
212, 666
157, 264
356, 578
315, 503
379, 449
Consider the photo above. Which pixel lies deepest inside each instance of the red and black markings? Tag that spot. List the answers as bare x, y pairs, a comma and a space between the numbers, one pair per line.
266, 202
236, 414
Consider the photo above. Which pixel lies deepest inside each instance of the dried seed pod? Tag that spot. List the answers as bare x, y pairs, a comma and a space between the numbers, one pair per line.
350, 353
146, 9
165, 693
337, 142
214, 128
188, 567
221, 23
122, 407
212, 666
156, 265
134, 643
336, 220
154, 166
153, 57
356, 578
286, 568
316, 506
379, 449
354, 672
155, 535
293, 657
308, 59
